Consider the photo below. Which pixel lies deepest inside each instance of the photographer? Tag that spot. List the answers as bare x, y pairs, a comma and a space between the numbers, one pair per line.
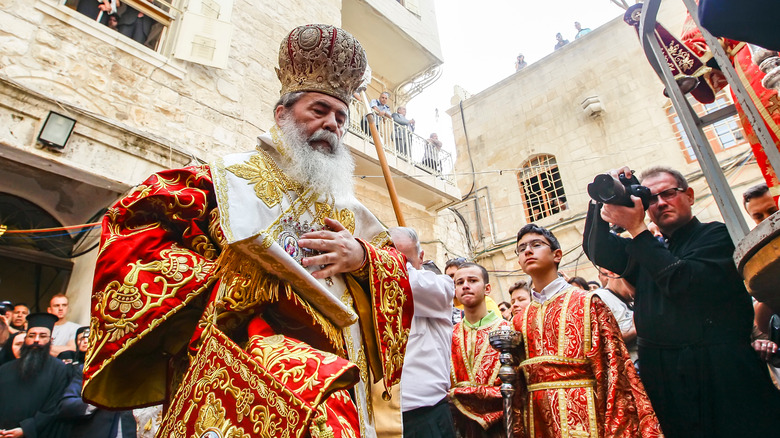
692, 312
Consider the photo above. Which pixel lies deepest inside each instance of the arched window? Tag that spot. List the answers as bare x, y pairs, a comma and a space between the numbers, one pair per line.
541, 188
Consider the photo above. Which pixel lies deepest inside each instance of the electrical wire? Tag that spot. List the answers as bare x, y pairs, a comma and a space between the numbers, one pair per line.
47, 230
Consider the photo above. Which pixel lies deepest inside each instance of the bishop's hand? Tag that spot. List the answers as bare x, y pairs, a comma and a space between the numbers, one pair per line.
339, 251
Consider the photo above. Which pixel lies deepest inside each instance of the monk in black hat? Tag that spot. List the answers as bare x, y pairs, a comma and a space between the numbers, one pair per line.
31, 386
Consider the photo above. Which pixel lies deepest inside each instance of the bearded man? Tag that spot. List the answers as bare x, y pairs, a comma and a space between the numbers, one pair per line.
295, 307
31, 386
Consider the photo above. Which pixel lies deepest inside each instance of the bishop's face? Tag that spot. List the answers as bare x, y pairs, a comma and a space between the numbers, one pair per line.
318, 114
313, 129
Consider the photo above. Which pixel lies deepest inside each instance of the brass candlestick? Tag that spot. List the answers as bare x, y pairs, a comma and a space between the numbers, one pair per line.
508, 343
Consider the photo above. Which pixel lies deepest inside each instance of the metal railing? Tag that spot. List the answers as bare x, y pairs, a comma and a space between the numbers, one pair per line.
398, 140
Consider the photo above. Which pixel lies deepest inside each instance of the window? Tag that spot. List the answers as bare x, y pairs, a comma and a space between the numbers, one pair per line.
722, 135
202, 32
412, 5
146, 22
541, 188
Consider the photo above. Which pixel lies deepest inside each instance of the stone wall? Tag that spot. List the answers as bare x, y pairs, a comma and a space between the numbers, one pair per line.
208, 111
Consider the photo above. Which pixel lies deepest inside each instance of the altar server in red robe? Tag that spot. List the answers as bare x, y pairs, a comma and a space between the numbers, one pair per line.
579, 376
475, 385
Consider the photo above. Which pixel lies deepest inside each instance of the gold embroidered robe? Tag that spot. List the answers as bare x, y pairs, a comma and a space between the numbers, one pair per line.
474, 377
580, 378
197, 282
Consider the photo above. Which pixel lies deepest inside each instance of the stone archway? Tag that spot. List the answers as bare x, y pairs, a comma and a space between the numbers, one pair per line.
33, 266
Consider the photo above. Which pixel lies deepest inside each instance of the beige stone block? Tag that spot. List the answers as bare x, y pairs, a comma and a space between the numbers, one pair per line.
228, 89
46, 38
166, 110
145, 118
148, 88
98, 63
79, 73
136, 65
123, 75
13, 46
124, 93
167, 95
13, 25
49, 59
201, 77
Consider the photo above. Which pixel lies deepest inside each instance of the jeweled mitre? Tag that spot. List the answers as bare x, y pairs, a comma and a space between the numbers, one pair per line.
323, 58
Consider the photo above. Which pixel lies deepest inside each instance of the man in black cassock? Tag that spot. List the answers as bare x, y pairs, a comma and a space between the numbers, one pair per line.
31, 387
693, 314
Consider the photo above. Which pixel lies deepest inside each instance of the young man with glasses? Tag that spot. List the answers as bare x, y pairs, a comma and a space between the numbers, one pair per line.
692, 313
578, 372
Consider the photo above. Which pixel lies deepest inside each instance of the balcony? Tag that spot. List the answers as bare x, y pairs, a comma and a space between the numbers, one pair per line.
401, 42
421, 173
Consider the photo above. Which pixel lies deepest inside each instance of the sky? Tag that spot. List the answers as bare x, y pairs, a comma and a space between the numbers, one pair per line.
480, 41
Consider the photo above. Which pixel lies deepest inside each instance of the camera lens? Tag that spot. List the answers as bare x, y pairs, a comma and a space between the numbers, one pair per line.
604, 186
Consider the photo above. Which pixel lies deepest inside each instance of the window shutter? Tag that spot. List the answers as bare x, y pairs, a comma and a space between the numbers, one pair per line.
413, 6
204, 33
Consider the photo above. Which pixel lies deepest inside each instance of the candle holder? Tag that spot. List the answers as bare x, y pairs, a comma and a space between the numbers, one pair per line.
769, 63
508, 343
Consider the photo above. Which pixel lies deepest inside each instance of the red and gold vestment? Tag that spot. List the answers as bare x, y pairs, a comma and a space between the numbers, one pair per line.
200, 303
474, 376
766, 101
579, 376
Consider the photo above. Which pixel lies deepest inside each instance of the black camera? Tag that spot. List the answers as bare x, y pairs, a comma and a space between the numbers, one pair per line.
608, 190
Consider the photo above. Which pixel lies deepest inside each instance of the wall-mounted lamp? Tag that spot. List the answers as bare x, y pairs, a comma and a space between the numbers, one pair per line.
592, 106
56, 130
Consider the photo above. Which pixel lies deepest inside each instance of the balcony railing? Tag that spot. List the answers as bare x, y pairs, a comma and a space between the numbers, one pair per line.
400, 141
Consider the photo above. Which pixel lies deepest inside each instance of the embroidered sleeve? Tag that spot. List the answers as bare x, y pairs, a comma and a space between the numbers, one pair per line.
155, 258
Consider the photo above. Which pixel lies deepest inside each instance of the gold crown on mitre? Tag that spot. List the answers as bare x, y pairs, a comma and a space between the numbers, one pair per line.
322, 58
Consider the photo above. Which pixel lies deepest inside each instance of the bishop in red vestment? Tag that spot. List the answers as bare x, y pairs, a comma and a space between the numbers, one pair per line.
256, 297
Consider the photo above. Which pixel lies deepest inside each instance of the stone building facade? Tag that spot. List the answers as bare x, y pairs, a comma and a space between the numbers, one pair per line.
204, 87
536, 139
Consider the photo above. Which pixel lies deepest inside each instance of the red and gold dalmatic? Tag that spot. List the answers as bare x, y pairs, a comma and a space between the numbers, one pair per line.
767, 101
580, 379
474, 378
200, 303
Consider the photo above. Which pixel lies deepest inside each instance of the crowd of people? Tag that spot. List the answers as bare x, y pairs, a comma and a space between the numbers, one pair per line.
41, 364
124, 19
521, 63
401, 130
271, 302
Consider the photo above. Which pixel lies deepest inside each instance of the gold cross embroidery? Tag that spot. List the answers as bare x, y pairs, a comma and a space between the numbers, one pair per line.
774, 104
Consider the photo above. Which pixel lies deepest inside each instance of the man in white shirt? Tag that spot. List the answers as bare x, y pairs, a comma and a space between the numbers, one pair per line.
63, 337
426, 372
618, 295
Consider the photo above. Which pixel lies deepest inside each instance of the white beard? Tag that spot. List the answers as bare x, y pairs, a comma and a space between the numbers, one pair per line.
326, 172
